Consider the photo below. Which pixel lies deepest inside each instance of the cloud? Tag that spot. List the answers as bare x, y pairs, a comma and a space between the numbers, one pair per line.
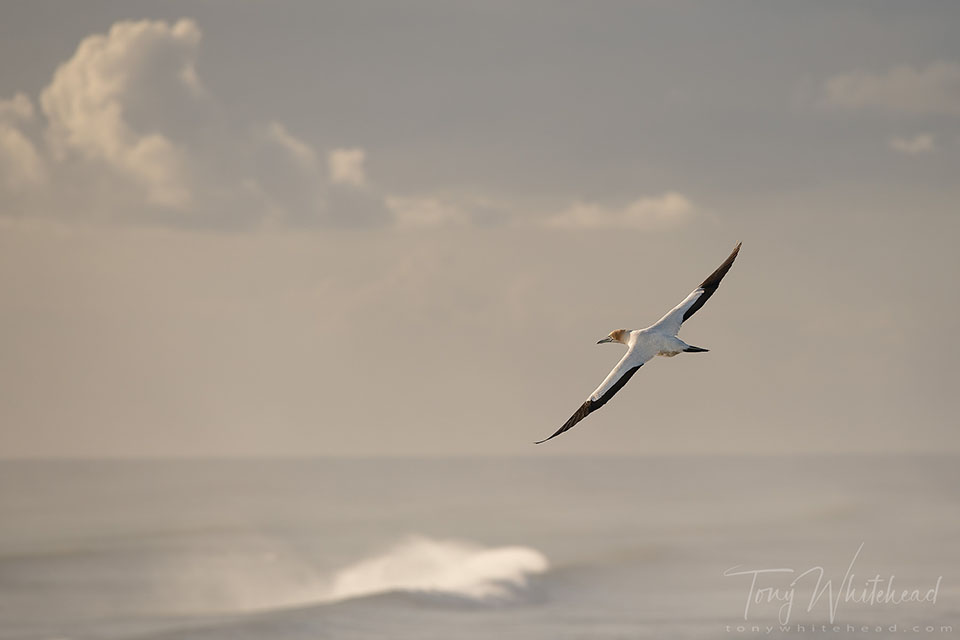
916, 145
648, 213
18, 108
21, 167
346, 167
128, 131
426, 212
89, 100
934, 90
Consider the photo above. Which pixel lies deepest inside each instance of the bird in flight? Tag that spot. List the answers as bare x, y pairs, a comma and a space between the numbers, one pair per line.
659, 339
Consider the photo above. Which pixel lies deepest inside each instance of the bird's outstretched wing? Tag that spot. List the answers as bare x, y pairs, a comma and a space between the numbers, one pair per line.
619, 376
697, 298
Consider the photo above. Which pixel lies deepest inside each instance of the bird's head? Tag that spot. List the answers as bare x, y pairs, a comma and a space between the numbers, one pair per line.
620, 335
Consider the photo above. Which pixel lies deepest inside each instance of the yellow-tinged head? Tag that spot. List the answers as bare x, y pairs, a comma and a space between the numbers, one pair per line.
620, 335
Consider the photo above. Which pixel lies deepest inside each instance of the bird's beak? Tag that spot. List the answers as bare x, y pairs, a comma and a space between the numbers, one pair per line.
607, 339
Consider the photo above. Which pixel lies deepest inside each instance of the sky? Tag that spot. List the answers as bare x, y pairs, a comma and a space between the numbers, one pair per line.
381, 228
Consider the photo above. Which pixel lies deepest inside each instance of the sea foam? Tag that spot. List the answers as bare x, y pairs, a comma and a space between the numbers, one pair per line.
450, 567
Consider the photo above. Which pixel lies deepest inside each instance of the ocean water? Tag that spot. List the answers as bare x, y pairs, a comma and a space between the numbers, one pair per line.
551, 548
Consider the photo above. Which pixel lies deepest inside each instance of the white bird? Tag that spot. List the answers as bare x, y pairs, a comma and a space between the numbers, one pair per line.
659, 339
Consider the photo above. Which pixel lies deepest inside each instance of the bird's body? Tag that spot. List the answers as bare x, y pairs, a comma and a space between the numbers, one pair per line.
659, 339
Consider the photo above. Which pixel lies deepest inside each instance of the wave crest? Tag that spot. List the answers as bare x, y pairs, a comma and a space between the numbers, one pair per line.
448, 567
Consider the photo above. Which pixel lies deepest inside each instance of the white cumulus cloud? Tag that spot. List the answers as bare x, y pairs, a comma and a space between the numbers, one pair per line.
88, 104
21, 167
915, 145
655, 212
426, 212
18, 108
933, 90
127, 130
346, 166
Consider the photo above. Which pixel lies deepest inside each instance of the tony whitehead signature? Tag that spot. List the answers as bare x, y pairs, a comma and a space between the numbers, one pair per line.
873, 591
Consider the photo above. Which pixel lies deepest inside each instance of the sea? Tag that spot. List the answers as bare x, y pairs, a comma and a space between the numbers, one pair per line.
507, 548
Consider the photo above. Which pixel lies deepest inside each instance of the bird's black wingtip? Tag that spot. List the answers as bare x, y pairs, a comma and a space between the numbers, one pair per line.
550, 438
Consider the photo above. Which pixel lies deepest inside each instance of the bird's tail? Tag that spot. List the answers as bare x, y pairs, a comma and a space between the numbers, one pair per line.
692, 349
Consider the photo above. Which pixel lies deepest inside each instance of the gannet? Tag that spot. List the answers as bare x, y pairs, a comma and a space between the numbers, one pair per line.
659, 339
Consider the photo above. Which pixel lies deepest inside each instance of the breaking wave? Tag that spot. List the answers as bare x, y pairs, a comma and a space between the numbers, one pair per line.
448, 567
